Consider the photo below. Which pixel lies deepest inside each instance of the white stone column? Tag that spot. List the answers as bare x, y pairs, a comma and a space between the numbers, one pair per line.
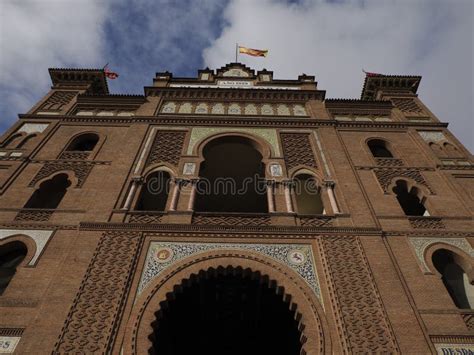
175, 196
332, 198
270, 197
136, 181
192, 196
289, 204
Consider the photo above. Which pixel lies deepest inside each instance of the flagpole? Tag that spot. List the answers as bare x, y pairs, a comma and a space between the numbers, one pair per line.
236, 51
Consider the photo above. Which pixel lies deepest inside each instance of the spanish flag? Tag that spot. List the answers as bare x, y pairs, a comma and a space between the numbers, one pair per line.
253, 52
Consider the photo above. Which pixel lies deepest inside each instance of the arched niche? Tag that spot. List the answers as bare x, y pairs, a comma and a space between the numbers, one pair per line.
50, 192
12, 255
455, 268
410, 198
292, 290
154, 191
307, 193
379, 148
84, 142
232, 175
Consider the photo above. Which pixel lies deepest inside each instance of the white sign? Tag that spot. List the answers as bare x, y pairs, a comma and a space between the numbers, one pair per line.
8, 344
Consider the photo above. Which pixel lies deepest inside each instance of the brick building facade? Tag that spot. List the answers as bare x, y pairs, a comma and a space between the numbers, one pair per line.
378, 258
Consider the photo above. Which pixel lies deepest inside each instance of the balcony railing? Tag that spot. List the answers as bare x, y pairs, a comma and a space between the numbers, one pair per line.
231, 219
74, 155
34, 214
144, 217
389, 162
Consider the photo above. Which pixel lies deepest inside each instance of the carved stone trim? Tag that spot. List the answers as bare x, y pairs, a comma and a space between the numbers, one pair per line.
279, 252
426, 222
385, 177
93, 318
200, 133
41, 238
362, 319
36, 215
421, 244
81, 170
230, 220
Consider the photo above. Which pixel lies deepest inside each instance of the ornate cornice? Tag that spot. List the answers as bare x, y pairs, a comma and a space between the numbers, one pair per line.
71, 77
403, 83
189, 93
230, 120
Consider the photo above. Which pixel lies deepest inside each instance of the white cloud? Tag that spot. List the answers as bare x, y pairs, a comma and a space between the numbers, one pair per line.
334, 41
38, 34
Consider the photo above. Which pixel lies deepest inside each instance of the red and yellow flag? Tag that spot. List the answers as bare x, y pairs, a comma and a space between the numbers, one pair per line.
253, 52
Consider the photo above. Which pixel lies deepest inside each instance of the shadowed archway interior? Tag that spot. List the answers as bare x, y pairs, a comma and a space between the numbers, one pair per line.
11, 255
228, 311
232, 177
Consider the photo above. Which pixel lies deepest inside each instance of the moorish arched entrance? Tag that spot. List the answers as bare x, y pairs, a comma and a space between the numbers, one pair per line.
228, 311
164, 292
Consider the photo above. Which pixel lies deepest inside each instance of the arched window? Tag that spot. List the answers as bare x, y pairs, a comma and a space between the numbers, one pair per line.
83, 143
409, 200
11, 255
307, 195
451, 150
454, 278
232, 177
50, 193
13, 140
379, 149
25, 140
154, 193
439, 152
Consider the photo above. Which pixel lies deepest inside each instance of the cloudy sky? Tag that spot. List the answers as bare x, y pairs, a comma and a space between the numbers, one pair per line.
331, 39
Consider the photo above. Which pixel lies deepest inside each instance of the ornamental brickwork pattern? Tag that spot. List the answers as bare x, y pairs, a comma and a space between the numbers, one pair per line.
92, 321
166, 147
364, 323
297, 150
58, 100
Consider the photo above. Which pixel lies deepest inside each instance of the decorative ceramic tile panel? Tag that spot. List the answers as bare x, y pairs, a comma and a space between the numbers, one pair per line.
218, 109
234, 109
162, 255
200, 133
267, 110
202, 108
169, 107
250, 109
30, 128
421, 244
185, 108
432, 136
283, 110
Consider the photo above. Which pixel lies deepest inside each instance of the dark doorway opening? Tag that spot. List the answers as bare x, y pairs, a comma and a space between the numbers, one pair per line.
232, 177
226, 311
408, 199
154, 194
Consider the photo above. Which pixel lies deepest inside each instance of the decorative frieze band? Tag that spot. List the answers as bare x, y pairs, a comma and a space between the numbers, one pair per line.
234, 108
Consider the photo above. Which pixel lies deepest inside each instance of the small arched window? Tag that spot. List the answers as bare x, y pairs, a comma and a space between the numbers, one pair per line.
83, 143
379, 149
451, 150
25, 140
454, 278
50, 193
307, 195
409, 199
13, 140
439, 152
11, 255
154, 193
